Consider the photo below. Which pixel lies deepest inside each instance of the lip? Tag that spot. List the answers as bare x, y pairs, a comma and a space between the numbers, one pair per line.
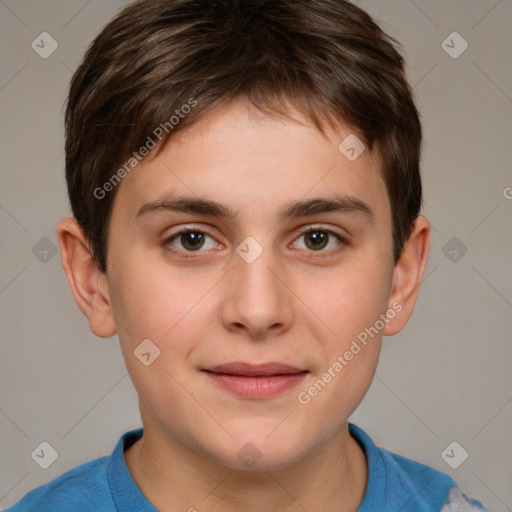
250, 370
256, 380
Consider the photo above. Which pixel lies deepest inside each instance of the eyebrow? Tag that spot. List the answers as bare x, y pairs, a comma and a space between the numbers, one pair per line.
303, 208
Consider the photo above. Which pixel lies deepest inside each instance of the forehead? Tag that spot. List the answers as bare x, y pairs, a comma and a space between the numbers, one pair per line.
255, 163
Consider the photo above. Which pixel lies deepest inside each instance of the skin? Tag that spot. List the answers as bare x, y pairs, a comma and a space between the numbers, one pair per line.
296, 304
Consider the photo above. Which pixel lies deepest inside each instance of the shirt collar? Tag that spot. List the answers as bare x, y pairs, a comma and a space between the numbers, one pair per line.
125, 492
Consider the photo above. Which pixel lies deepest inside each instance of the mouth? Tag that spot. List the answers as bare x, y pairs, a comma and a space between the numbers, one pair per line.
256, 381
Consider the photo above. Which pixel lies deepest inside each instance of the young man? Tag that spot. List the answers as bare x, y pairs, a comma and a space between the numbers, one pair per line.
244, 179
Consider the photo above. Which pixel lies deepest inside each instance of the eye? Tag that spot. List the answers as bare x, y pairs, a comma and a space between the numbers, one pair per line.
191, 240
319, 239
194, 240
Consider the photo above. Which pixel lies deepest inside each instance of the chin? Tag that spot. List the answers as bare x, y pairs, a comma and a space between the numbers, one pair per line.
261, 451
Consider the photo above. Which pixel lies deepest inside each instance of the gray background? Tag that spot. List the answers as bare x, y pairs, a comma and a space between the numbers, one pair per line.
445, 378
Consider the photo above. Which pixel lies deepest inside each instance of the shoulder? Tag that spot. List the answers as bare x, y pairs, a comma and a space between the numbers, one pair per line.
101, 484
427, 487
398, 483
84, 488
457, 501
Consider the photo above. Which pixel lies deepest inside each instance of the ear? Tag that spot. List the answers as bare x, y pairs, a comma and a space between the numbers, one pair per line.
408, 275
88, 284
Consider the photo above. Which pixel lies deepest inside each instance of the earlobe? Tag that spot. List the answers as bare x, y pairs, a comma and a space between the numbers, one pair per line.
88, 284
408, 275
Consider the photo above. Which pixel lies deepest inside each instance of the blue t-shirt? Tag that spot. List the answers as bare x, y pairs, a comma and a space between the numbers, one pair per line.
105, 484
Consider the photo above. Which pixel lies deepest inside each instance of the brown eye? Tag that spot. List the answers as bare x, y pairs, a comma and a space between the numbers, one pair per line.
316, 240
319, 240
192, 240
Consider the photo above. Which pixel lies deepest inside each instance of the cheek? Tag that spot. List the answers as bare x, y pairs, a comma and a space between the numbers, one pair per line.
172, 307
349, 357
151, 302
151, 298
349, 298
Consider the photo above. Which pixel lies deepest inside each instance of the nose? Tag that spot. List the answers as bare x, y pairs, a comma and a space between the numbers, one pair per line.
257, 301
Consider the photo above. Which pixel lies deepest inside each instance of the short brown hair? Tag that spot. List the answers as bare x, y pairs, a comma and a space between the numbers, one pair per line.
327, 58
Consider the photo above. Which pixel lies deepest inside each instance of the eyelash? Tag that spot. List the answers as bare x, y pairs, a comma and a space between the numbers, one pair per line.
192, 254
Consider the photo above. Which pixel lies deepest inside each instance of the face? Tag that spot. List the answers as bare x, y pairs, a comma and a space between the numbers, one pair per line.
255, 256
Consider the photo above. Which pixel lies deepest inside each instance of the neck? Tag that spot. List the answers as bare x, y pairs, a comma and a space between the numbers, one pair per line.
173, 477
